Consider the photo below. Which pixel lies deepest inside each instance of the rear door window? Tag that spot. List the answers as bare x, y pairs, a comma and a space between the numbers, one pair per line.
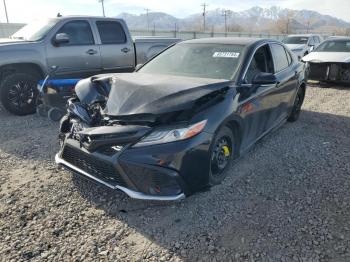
280, 58
111, 32
79, 33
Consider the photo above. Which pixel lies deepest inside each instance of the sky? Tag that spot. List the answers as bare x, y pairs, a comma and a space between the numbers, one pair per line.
27, 10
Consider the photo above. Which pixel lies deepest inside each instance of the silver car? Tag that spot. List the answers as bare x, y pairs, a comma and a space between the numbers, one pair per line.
302, 45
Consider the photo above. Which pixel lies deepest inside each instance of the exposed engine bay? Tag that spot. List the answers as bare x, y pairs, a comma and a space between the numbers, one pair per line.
337, 72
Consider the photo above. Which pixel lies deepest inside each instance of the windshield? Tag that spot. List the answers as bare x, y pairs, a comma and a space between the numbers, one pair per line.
296, 40
35, 30
334, 46
216, 61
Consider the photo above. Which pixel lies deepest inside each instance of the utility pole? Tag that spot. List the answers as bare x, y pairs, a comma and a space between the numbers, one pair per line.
103, 7
226, 13
204, 5
7, 18
175, 30
147, 12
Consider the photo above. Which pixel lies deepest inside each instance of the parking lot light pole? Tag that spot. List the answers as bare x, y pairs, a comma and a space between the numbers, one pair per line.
7, 18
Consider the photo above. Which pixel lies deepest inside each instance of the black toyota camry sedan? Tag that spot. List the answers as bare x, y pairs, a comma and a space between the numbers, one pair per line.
173, 126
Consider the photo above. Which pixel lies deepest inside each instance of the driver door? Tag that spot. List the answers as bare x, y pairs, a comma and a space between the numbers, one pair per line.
258, 110
78, 58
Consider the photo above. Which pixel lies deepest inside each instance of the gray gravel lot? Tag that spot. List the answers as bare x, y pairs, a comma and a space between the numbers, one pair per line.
288, 199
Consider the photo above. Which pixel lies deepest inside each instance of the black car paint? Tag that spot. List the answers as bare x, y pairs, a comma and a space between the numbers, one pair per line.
250, 118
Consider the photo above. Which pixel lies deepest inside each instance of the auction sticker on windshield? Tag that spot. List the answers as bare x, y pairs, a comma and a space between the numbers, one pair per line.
226, 54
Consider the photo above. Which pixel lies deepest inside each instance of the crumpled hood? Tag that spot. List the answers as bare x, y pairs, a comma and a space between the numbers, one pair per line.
327, 57
139, 93
295, 46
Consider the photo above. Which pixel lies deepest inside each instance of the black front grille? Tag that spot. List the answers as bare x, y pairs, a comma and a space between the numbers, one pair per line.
98, 168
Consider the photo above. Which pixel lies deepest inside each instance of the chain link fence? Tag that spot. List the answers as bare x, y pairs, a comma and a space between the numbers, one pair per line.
8, 29
186, 35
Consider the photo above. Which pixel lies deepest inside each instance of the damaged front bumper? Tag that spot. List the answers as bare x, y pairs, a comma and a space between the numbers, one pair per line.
329, 72
146, 173
130, 193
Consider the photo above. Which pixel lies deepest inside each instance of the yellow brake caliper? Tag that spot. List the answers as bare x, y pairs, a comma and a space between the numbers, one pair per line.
226, 151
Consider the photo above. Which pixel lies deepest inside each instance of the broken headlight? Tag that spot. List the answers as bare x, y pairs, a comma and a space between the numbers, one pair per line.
171, 135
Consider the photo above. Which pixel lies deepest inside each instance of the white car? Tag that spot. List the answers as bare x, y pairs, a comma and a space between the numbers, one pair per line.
301, 45
330, 61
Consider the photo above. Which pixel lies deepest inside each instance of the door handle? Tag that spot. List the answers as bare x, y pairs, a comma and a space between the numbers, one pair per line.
91, 52
125, 50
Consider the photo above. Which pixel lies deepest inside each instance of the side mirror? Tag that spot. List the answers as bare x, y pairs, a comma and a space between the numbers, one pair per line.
61, 38
138, 66
264, 79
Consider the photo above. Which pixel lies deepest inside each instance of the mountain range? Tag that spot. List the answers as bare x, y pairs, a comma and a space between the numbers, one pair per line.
255, 19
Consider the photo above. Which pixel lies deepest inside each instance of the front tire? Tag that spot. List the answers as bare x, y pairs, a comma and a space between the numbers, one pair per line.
18, 93
221, 156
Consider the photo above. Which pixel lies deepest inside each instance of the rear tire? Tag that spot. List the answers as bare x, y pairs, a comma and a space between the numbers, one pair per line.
18, 93
299, 99
221, 155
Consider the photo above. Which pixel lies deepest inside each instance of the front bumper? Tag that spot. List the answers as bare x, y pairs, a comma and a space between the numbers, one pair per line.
329, 72
164, 172
130, 193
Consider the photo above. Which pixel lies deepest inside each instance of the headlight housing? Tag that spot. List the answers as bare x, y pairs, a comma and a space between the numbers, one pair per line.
163, 136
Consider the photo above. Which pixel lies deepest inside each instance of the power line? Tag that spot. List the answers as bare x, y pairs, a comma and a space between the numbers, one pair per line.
204, 5
7, 18
147, 12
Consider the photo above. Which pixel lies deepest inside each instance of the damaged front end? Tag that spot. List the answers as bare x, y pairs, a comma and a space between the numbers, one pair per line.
117, 134
329, 72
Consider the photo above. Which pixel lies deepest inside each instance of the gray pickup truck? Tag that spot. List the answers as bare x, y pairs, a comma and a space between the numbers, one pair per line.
78, 46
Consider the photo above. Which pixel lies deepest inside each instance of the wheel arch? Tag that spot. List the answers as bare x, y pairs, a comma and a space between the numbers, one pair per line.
303, 87
31, 68
236, 128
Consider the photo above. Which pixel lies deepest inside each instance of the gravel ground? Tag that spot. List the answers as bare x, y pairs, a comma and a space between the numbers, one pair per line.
288, 199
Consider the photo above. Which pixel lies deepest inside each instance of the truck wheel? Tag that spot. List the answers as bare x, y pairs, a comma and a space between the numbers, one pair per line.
18, 93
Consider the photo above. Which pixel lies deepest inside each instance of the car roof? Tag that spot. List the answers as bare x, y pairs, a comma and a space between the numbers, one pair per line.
338, 38
228, 40
85, 17
301, 35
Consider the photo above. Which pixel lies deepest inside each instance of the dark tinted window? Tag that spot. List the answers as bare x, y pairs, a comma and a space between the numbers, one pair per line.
79, 33
279, 57
111, 32
261, 63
